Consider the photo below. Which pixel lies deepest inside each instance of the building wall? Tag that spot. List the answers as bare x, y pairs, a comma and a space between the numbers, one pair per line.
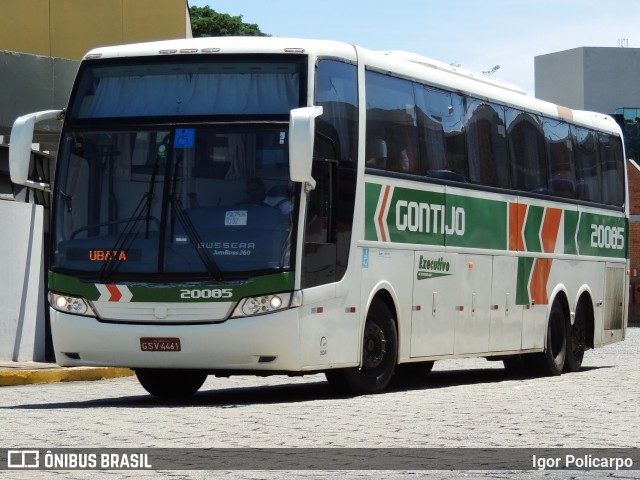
31, 83
69, 28
556, 80
599, 79
633, 172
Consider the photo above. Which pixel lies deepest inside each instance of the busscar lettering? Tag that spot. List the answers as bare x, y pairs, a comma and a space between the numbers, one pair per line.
228, 245
429, 218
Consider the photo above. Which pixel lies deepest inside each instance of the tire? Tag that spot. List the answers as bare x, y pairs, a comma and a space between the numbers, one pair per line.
515, 365
413, 371
576, 340
171, 383
551, 361
379, 354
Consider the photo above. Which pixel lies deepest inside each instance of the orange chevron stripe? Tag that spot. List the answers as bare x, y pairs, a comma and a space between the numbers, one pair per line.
115, 292
550, 229
539, 279
383, 207
517, 214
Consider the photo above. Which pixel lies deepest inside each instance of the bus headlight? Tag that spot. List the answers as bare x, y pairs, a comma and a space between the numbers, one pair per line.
262, 304
70, 304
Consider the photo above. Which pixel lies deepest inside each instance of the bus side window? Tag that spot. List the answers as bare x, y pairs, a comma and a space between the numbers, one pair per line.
318, 225
610, 148
589, 178
442, 139
487, 144
562, 176
391, 140
528, 152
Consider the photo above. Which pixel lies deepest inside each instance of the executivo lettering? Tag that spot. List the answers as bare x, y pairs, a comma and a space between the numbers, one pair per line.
432, 268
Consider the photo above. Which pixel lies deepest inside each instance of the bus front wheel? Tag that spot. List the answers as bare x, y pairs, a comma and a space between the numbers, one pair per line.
379, 354
170, 383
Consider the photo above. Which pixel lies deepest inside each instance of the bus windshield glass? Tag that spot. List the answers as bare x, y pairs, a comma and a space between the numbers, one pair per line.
203, 201
221, 85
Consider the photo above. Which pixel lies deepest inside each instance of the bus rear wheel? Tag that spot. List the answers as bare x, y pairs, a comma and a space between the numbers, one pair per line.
379, 354
576, 340
165, 383
552, 360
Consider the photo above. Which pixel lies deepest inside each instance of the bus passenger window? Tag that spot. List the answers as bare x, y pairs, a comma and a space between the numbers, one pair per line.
528, 152
589, 180
487, 144
562, 176
440, 119
391, 139
610, 148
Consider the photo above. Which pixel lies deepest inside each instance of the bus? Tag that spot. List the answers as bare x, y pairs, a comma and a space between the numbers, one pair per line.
226, 206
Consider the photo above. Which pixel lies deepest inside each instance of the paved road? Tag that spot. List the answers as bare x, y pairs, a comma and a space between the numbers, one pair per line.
463, 403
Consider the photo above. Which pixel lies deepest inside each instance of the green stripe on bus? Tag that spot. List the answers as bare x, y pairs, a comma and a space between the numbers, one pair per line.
372, 194
525, 265
280, 282
602, 235
570, 229
532, 226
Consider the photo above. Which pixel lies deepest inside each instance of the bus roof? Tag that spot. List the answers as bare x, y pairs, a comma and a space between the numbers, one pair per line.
406, 64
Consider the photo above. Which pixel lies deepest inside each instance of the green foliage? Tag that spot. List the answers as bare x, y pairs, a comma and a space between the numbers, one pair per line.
206, 22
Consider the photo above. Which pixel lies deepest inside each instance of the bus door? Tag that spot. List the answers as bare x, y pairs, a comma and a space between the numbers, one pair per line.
435, 279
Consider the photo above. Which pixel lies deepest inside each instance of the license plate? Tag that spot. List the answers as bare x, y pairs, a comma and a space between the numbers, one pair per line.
160, 344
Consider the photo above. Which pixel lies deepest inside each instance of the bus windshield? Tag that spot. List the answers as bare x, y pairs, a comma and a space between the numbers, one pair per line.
219, 85
209, 202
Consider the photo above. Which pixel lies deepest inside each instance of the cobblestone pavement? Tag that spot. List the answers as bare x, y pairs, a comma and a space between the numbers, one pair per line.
462, 403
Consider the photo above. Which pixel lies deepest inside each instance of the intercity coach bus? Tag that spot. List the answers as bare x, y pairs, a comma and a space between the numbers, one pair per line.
266, 206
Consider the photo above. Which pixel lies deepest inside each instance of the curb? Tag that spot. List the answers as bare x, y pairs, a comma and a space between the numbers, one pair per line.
73, 374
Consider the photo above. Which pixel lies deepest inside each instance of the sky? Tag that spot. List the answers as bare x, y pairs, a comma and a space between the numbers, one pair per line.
474, 34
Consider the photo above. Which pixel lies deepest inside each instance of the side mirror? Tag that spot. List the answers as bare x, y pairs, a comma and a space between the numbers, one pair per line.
301, 137
20, 147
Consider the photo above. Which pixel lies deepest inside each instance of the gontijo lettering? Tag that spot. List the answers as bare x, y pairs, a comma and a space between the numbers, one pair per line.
429, 218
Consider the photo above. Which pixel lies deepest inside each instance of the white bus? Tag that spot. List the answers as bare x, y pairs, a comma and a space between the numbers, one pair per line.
283, 206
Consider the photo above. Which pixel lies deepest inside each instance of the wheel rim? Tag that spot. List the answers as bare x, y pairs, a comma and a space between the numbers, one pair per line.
375, 346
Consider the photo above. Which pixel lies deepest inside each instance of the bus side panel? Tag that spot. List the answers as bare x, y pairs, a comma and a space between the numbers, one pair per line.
433, 317
506, 317
615, 303
473, 296
389, 269
330, 331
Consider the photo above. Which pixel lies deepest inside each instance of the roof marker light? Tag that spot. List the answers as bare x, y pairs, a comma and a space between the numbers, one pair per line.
210, 50
168, 52
189, 50
294, 50
91, 56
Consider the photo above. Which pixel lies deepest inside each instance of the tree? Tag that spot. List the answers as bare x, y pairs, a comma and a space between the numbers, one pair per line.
206, 22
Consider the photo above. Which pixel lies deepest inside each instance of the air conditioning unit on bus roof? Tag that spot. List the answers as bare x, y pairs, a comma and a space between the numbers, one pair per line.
429, 62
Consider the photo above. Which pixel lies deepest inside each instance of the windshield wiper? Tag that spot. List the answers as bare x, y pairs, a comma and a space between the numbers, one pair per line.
123, 242
125, 238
